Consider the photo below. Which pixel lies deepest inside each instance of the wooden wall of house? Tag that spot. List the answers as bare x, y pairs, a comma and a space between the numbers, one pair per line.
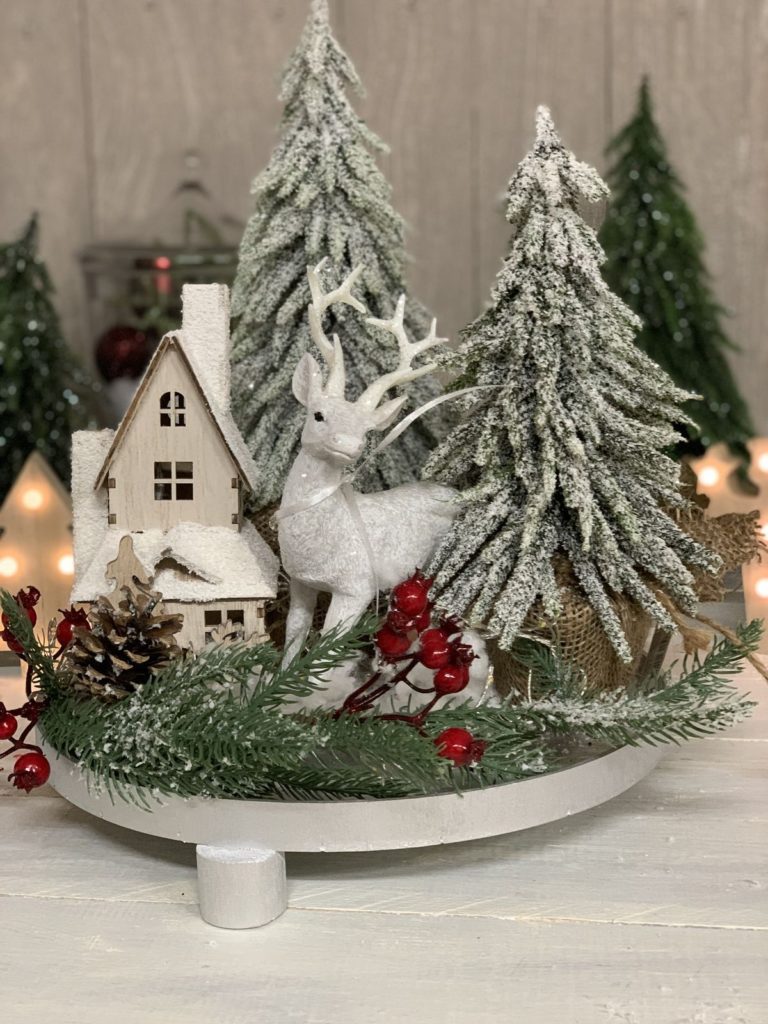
100, 100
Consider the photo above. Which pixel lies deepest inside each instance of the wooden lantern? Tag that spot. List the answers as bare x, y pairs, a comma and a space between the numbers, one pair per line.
36, 538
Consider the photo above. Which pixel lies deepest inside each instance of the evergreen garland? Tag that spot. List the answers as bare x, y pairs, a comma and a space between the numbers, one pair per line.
43, 390
320, 195
221, 725
561, 451
654, 248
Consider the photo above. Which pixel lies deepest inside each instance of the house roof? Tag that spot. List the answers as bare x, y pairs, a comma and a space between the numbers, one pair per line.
222, 564
222, 418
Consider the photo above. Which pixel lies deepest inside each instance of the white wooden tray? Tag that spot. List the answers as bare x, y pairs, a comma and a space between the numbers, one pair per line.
240, 843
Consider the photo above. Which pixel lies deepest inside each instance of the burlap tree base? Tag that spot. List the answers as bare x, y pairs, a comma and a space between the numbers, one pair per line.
580, 636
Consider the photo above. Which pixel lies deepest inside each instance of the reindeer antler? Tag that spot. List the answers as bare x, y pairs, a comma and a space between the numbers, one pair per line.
331, 351
374, 393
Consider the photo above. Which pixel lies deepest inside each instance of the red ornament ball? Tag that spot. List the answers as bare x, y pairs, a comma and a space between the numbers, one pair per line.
412, 596
460, 746
391, 644
123, 351
8, 725
451, 679
30, 771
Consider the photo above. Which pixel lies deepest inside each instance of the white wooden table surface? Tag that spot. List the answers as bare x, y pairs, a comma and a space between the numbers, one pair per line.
651, 909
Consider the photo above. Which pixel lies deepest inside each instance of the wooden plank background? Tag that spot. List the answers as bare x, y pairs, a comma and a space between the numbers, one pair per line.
101, 99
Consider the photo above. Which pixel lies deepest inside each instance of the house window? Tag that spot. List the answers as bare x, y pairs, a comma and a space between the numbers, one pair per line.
172, 409
214, 618
173, 474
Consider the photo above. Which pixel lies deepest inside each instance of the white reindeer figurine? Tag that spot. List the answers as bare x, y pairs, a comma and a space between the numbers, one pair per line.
332, 538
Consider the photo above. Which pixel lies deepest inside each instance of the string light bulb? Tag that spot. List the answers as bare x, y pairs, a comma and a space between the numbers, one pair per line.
32, 499
761, 587
9, 566
709, 476
762, 462
66, 565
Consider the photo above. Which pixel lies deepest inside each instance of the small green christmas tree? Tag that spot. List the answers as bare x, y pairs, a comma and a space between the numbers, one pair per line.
655, 264
560, 453
43, 390
320, 195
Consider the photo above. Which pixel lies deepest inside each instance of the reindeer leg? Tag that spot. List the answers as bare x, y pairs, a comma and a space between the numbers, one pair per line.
300, 612
345, 608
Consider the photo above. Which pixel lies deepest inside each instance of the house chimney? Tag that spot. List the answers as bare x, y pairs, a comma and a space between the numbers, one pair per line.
205, 329
89, 504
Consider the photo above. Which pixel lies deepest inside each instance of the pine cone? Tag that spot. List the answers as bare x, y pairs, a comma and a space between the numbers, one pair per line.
124, 645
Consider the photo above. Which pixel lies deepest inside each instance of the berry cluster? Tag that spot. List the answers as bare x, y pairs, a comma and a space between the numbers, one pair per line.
440, 647
25, 599
413, 633
31, 769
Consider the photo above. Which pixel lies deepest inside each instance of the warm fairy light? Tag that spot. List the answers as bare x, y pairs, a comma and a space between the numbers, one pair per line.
66, 565
764, 531
709, 476
762, 462
9, 566
32, 499
761, 586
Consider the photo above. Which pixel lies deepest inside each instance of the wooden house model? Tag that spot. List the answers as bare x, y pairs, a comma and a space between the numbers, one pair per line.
166, 489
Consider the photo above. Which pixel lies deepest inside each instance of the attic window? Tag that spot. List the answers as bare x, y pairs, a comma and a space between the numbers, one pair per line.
172, 409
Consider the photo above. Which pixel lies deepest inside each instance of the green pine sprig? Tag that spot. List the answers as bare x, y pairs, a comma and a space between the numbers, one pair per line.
223, 725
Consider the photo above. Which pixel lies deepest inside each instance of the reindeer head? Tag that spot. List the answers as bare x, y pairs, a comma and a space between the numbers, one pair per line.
335, 429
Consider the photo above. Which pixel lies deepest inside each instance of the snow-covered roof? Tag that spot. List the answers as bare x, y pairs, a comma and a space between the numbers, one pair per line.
222, 418
222, 563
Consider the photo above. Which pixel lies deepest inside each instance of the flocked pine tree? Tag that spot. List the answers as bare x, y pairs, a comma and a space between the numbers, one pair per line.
320, 195
562, 452
654, 249
44, 393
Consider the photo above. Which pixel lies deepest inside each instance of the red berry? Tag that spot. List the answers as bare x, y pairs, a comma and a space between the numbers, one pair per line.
8, 725
33, 709
451, 679
434, 648
30, 771
391, 644
399, 622
454, 744
11, 641
26, 599
423, 621
459, 746
411, 596
74, 618
433, 638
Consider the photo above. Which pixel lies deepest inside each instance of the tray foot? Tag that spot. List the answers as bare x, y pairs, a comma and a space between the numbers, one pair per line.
240, 887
